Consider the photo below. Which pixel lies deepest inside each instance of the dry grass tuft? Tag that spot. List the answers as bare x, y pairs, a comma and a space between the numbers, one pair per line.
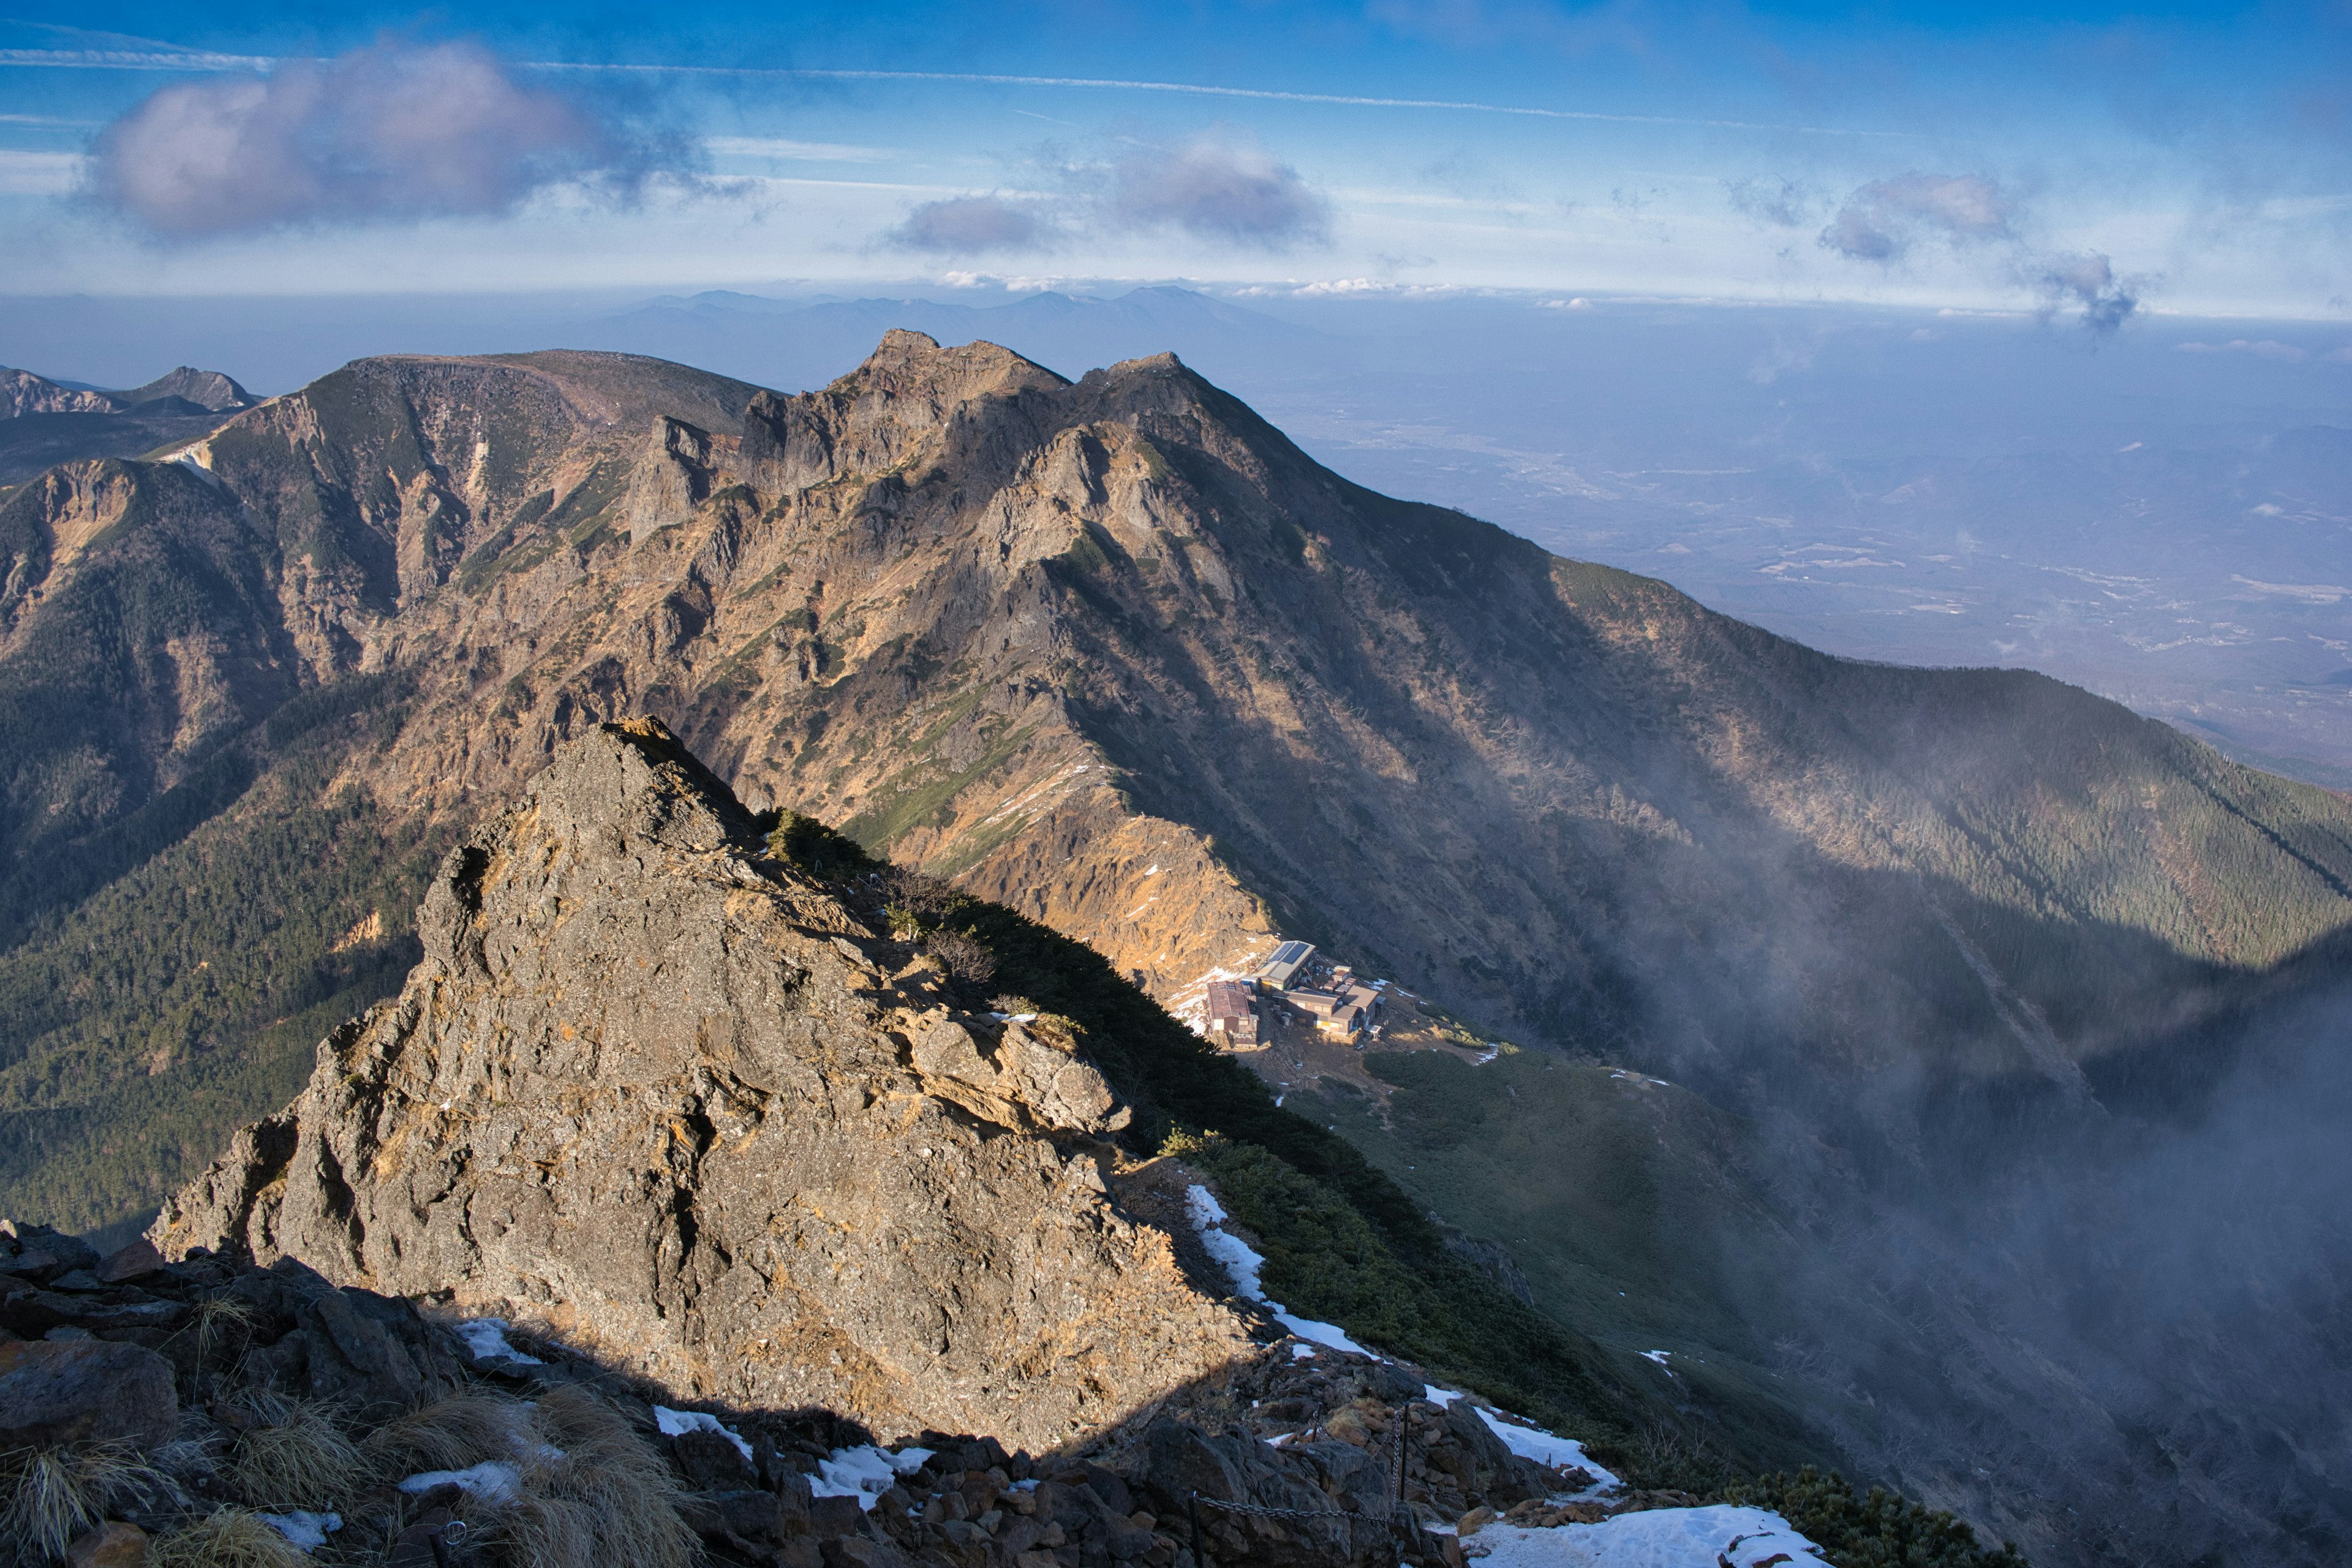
449, 1434
227, 1538
610, 1497
591, 1491
215, 1316
55, 1493
298, 1457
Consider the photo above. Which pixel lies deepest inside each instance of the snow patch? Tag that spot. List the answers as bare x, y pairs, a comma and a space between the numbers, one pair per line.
1442, 1398
493, 1480
677, 1423
305, 1530
1241, 1263
486, 1338
864, 1473
1658, 1356
1657, 1538
1302, 1353
1545, 1447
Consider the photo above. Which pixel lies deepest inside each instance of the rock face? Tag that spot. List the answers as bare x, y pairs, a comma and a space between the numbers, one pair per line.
659, 1094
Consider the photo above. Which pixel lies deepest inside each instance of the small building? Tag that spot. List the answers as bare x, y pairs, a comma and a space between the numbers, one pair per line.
1312, 1001
1232, 1014
1355, 1008
1288, 963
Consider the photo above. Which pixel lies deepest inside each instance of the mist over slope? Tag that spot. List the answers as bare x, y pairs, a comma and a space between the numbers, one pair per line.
1932, 959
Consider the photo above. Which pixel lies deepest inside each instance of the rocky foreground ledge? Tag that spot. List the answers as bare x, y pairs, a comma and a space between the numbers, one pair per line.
214, 1411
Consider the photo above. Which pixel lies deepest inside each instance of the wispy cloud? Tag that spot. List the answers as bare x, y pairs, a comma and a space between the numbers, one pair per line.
1772, 199
1882, 220
2261, 348
39, 173
975, 225
795, 151
394, 131
194, 60
2085, 285
1221, 186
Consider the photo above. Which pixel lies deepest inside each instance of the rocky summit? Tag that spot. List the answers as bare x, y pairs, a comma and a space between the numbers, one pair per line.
660, 1095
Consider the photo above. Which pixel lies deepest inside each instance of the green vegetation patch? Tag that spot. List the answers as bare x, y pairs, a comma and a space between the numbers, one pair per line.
185, 997
1872, 1530
905, 805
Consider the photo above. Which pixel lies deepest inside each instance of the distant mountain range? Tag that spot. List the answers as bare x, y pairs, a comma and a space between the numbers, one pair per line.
44, 422
1866, 1018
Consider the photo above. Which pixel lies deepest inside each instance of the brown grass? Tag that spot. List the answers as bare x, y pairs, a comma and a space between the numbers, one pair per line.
297, 1457
593, 1494
449, 1434
226, 1538
610, 1499
55, 1493
215, 1315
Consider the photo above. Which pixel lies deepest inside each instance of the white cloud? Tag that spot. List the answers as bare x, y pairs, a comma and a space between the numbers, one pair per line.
1882, 220
973, 226
392, 130
1220, 186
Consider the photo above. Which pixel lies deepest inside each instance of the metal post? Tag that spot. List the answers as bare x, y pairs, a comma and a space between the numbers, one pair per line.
1192, 1510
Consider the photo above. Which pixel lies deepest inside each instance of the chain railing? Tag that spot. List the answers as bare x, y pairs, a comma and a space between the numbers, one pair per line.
1403, 1526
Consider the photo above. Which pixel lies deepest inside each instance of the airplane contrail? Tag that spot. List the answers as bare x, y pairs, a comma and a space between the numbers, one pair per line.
131, 60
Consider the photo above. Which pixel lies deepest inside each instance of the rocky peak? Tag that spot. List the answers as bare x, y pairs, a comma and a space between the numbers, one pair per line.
660, 1094
880, 416
22, 393
205, 389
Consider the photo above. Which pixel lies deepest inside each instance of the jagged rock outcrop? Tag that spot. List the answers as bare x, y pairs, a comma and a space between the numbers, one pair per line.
664, 1097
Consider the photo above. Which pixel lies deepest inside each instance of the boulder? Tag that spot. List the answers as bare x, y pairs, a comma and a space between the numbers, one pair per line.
137, 1261
85, 1391
113, 1544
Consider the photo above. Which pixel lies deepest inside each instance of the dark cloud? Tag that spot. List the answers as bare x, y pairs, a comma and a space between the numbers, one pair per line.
1882, 222
970, 226
1220, 186
1885, 218
391, 131
2087, 286
1768, 198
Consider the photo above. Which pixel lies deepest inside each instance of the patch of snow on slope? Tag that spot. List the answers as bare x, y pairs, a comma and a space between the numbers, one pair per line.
864, 1473
486, 1339
1659, 1538
1442, 1398
305, 1530
1545, 1448
677, 1423
493, 1480
1241, 1263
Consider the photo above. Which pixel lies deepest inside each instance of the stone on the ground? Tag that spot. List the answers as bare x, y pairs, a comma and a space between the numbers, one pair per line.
85, 1391
113, 1544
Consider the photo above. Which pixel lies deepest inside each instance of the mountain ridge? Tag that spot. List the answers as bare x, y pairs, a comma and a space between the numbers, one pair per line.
1114, 653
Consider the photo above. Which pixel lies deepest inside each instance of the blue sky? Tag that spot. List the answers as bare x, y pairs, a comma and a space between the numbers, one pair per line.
2097, 165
